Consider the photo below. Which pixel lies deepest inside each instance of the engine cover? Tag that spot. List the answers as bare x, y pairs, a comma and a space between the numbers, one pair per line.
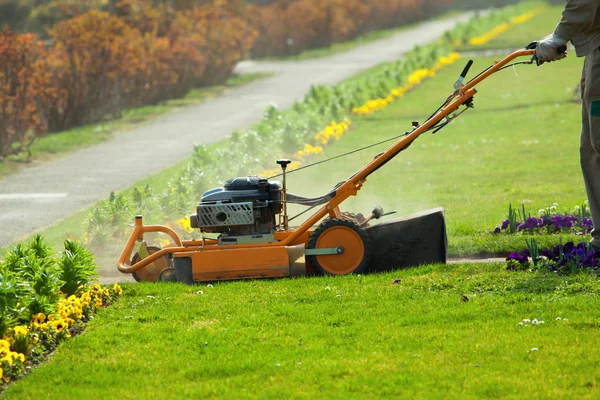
243, 206
225, 214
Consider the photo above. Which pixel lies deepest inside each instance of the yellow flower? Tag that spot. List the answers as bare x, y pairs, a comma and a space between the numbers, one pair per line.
21, 330
50, 317
39, 318
18, 356
7, 358
4, 344
59, 325
185, 224
98, 302
117, 289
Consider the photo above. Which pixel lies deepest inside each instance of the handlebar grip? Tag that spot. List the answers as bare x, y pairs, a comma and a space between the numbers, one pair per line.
466, 70
562, 49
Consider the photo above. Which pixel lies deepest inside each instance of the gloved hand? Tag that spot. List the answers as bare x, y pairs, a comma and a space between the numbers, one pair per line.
547, 49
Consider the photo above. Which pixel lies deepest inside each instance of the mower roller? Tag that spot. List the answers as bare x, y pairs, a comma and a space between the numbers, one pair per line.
250, 216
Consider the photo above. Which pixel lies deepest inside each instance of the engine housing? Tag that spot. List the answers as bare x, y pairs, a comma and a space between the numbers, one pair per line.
243, 206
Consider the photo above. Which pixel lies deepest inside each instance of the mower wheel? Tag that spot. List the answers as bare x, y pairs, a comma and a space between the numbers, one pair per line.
152, 272
345, 235
168, 275
354, 217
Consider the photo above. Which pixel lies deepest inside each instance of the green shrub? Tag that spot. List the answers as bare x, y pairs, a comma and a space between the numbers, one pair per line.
77, 267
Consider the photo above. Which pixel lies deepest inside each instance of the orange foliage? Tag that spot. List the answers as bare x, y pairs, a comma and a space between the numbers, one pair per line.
272, 28
94, 63
101, 63
292, 26
227, 38
23, 87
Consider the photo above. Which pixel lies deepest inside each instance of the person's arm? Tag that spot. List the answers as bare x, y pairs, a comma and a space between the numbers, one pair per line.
577, 17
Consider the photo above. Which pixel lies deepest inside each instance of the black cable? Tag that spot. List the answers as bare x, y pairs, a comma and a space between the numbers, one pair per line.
513, 64
358, 150
305, 211
339, 156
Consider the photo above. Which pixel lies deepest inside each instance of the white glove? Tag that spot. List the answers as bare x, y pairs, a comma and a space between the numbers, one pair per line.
547, 49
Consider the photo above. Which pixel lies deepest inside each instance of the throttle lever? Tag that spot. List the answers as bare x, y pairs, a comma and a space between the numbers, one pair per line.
463, 74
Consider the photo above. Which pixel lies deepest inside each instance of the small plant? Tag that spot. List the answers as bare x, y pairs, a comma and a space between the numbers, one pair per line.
77, 267
549, 221
532, 247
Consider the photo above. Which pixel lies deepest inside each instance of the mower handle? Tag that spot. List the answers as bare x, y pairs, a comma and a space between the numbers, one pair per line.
137, 235
533, 45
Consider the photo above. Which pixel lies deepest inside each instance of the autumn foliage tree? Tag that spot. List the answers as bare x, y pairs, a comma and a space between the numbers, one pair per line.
94, 63
24, 90
113, 54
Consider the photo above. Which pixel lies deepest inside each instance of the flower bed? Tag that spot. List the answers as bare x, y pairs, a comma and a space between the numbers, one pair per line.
565, 259
550, 221
480, 31
44, 300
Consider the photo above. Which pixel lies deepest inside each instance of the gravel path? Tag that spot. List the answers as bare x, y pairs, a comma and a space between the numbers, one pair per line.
43, 194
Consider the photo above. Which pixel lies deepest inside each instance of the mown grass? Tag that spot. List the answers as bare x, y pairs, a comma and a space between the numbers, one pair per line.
441, 332
60, 143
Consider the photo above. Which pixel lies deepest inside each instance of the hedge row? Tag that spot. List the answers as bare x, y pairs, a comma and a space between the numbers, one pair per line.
101, 63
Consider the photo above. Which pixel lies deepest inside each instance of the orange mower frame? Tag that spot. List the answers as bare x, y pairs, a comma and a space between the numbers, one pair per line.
339, 249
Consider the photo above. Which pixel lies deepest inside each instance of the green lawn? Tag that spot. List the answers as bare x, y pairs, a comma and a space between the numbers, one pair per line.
441, 332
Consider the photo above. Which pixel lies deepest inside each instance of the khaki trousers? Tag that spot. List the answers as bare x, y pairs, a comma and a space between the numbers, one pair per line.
590, 137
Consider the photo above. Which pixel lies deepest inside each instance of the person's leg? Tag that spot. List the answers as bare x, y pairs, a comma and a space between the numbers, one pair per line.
590, 138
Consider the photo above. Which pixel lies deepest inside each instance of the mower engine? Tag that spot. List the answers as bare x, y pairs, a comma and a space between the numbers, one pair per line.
243, 210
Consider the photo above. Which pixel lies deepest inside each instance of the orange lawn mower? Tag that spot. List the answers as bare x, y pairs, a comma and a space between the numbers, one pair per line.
250, 216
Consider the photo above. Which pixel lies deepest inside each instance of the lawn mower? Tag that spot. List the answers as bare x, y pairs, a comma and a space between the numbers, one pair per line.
255, 240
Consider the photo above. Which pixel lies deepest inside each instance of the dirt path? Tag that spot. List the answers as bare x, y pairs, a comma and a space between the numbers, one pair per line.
43, 194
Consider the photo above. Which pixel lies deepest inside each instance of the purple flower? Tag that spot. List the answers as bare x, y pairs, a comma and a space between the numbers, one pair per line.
569, 257
505, 224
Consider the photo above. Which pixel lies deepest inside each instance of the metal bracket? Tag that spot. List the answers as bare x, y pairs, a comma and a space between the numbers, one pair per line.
323, 252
